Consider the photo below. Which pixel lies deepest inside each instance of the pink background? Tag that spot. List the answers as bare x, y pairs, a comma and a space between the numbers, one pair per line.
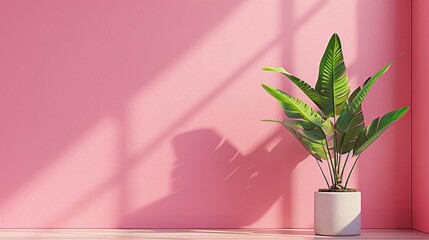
146, 113
420, 180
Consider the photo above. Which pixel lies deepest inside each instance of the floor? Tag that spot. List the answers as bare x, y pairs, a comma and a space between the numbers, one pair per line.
237, 234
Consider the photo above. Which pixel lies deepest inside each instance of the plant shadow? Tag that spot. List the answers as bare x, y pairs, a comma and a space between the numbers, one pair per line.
214, 184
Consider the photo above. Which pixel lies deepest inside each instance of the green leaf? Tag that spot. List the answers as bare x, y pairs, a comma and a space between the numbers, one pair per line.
308, 128
357, 101
308, 134
333, 82
351, 117
376, 128
321, 101
360, 139
295, 108
348, 131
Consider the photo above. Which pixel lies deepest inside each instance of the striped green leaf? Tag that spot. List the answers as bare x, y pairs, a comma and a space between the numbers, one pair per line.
348, 131
321, 101
350, 117
295, 108
376, 128
332, 82
357, 101
309, 135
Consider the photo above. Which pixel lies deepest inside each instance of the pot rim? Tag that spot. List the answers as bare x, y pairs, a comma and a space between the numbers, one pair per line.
338, 193
338, 190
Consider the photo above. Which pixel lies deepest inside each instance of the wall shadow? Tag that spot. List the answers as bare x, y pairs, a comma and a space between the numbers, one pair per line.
214, 184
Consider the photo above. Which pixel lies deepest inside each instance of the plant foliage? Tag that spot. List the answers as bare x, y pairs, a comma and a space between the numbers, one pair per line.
339, 127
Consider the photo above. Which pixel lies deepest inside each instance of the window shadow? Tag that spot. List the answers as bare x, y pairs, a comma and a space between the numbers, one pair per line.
88, 69
68, 64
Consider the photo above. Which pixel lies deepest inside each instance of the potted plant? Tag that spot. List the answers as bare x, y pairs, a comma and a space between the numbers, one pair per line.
335, 135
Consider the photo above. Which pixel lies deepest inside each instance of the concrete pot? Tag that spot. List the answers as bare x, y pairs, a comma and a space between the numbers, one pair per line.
337, 213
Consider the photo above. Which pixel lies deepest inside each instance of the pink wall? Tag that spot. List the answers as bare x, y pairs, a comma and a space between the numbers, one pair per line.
146, 113
420, 211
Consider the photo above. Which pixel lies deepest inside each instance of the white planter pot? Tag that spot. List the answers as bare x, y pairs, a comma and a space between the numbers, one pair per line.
337, 213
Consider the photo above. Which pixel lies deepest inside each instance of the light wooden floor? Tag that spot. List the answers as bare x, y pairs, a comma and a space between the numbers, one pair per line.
237, 234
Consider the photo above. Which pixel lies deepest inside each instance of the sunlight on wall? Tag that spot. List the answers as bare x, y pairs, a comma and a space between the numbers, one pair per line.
79, 169
152, 120
193, 90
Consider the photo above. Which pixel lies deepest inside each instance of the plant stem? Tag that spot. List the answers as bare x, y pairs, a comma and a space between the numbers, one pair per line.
351, 170
328, 153
330, 172
330, 160
335, 153
331, 166
338, 167
326, 180
344, 166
